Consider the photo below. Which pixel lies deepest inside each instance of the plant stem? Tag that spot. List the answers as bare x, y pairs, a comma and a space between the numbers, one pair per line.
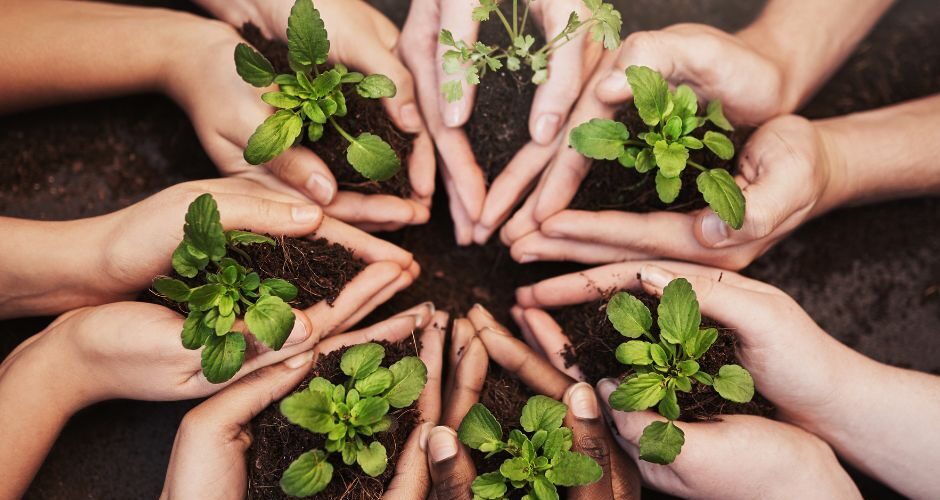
341, 131
241, 252
515, 17
525, 15
696, 165
512, 34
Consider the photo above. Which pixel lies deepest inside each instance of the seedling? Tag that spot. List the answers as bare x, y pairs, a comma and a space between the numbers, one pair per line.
672, 118
667, 363
540, 458
226, 289
472, 62
313, 97
348, 413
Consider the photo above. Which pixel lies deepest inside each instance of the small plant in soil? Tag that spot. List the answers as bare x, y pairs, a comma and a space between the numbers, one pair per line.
349, 413
540, 454
313, 97
222, 289
472, 62
664, 364
672, 119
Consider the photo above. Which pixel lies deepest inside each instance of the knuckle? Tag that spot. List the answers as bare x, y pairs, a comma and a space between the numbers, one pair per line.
639, 42
452, 486
596, 448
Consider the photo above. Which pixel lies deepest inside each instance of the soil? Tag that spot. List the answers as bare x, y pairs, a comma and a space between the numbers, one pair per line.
364, 115
277, 442
594, 340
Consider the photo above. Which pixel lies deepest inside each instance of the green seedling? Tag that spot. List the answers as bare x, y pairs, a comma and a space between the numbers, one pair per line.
665, 363
348, 413
471, 62
672, 118
313, 97
226, 289
540, 454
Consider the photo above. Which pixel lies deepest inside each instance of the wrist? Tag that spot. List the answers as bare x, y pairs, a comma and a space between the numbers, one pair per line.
765, 41
836, 190
186, 46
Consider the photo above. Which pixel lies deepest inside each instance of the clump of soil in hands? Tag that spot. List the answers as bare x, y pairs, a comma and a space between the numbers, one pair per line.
365, 115
594, 341
277, 442
610, 186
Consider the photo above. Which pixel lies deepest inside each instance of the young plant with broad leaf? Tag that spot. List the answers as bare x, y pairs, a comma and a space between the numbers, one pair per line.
313, 97
471, 62
667, 362
673, 123
226, 289
540, 457
349, 414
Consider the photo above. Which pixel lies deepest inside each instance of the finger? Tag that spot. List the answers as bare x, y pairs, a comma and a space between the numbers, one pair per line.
363, 245
664, 51
456, 16
432, 353
468, 383
589, 436
403, 281
577, 288
421, 168
452, 469
258, 355
552, 340
353, 208
463, 223
666, 234
394, 329
523, 221
412, 478
518, 315
513, 355
630, 424
326, 318
481, 318
305, 171
266, 216
461, 333
538, 247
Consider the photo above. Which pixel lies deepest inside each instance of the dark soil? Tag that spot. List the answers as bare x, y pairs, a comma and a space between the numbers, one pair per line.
594, 340
277, 442
364, 115
610, 186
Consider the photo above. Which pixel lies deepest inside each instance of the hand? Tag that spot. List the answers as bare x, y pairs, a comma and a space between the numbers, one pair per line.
214, 436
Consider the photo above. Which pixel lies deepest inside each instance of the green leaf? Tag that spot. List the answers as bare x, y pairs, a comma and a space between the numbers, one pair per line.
719, 144
716, 115
275, 135
683, 383
373, 158
368, 411
573, 469
279, 288
446, 38
607, 27
314, 132
634, 352
238, 237
661, 442
699, 344
373, 459
361, 360
223, 324
482, 12
686, 102
311, 407
172, 289
409, 375
376, 86
308, 475
669, 406
203, 228
270, 320
673, 128
679, 315
704, 378
688, 368
667, 188
452, 90
515, 469
205, 297
542, 412
723, 195
253, 67
639, 393
691, 142
650, 94
313, 111
375, 383
628, 157
251, 282
281, 100
325, 82
659, 356
223, 356
479, 427
353, 77
629, 315
286, 80
558, 440
195, 332
734, 383
489, 486
543, 489
307, 41
188, 261
671, 158
645, 161
599, 139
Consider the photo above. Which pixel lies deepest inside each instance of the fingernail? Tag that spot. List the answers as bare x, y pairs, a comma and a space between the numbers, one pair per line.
714, 230
582, 401
305, 214
410, 118
321, 188
655, 276
298, 334
483, 310
615, 82
424, 314
493, 331
527, 258
442, 444
423, 436
453, 113
605, 387
295, 362
546, 127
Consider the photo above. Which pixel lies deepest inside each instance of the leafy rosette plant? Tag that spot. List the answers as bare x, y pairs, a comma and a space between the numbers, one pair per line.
349, 413
471, 62
673, 120
540, 456
226, 289
666, 363
313, 97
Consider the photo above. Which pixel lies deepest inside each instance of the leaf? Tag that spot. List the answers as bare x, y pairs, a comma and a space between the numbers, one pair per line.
482, 12
634, 353
628, 157
479, 427
376, 86
629, 315
671, 158
409, 377
719, 144
723, 195
704, 378
203, 227
308, 475
699, 344
173, 289
195, 332
270, 320
734, 383
650, 94
659, 356
325, 82
515, 469
373, 459
573, 469
691, 142
252, 66
542, 412
688, 368
368, 411
599, 139
314, 132
286, 80
281, 100
685, 101
373, 158
223, 356
188, 261
716, 115
238, 237
353, 77
251, 282
661, 442
543, 489
223, 324
638, 393
679, 315
667, 188
307, 41
205, 297
311, 407
446, 38
452, 90
375, 383
645, 161
489, 486
608, 26
275, 135
279, 288
673, 128
361, 360
669, 406
558, 440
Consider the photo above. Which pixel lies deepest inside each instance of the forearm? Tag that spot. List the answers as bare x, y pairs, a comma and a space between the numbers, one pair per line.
810, 39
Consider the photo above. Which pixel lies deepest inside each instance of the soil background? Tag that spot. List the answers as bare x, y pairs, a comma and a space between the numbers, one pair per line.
870, 275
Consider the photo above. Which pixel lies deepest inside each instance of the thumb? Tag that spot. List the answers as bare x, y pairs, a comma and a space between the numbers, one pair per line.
629, 424
452, 470
302, 169
263, 215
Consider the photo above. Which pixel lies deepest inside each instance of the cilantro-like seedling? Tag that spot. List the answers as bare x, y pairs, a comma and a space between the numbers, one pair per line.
672, 118
540, 457
349, 413
667, 364
226, 289
312, 97
472, 62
